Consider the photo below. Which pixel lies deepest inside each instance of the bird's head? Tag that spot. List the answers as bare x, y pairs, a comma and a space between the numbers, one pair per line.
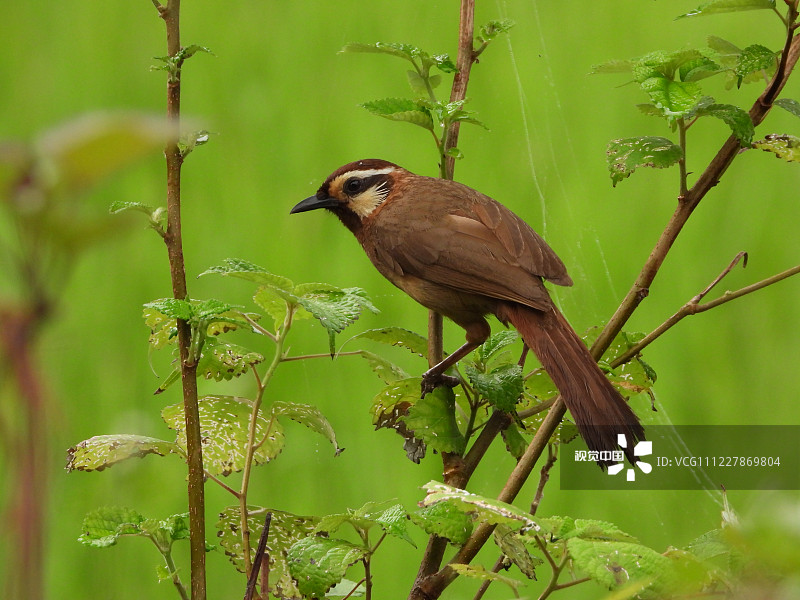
353, 192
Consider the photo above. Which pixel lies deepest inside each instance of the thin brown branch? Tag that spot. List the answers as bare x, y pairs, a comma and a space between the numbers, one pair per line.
694, 306
173, 240
261, 559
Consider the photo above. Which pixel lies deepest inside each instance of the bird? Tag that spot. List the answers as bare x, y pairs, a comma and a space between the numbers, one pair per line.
466, 256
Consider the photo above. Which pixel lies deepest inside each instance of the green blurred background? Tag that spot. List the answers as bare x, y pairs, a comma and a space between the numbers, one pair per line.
284, 104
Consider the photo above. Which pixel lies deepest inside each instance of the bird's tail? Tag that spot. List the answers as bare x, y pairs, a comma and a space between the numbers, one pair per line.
597, 407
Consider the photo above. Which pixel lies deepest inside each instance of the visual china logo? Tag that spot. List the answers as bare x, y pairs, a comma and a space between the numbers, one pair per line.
643, 448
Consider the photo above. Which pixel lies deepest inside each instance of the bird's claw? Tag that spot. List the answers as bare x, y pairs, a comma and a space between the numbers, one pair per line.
430, 381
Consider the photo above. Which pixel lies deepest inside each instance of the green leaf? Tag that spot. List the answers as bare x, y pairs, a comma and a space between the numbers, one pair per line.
396, 336
242, 269
673, 98
445, 520
309, 416
285, 530
486, 509
494, 28
754, 59
417, 83
224, 428
222, 360
102, 527
624, 156
496, 343
515, 443
103, 451
698, 68
386, 370
480, 573
173, 308
432, 419
401, 109
391, 405
393, 520
514, 548
404, 51
335, 309
612, 66
793, 106
317, 563
502, 387
615, 564
723, 6
591, 529
784, 146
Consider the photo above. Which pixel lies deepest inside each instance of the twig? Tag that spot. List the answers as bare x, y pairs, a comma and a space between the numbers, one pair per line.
261, 556
693, 306
172, 238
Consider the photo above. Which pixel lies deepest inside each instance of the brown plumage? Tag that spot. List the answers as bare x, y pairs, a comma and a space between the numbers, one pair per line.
464, 255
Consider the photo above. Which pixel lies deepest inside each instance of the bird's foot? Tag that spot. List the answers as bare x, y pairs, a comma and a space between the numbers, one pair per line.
430, 381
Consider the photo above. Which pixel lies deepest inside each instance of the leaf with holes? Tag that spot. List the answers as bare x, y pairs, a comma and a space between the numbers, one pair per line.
786, 147
318, 563
487, 510
624, 156
396, 336
224, 428
222, 360
103, 451
723, 6
383, 368
309, 416
285, 529
480, 573
790, 105
755, 59
513, 547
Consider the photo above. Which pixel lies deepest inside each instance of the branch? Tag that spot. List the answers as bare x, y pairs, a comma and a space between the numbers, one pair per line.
693, 306
172, 238
261, 557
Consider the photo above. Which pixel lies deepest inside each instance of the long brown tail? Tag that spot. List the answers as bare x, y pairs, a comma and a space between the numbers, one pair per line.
599, 410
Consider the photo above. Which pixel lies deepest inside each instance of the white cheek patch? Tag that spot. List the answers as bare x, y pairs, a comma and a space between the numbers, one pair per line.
366, 202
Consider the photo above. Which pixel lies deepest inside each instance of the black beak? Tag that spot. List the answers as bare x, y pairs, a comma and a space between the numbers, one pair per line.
313, 203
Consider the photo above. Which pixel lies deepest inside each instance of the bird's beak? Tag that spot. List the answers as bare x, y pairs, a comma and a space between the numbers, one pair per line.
313, 203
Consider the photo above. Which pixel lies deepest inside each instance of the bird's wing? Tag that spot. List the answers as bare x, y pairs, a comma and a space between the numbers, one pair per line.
479, 247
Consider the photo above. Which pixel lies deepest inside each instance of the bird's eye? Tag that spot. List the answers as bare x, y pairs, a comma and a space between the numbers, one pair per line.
353, 186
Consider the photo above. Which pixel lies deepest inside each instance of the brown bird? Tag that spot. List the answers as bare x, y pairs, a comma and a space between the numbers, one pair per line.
464, 255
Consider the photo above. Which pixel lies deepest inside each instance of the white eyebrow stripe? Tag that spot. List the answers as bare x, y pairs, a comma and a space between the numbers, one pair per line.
369, 172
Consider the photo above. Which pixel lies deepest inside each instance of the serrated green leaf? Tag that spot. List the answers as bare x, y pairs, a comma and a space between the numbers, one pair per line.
401, 109
317, 563
698, 68
417, 83
336, 309
486, 509
494, 28
173, 308
788, 104
723, 6
514, 442
444, 520
480, 573
784, 146
163, 329
755, 59
242, 269
710, 545
736, 118
394, 521
432, 419
615, 564
444, 63
309, 416
397, 336
502, 387
222, 360
496, 343
285, 529
673, 98
404, 51
103, 526
514, 548
394, 400
386, 370
624, 156
591, 529
224, 428
103, 451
